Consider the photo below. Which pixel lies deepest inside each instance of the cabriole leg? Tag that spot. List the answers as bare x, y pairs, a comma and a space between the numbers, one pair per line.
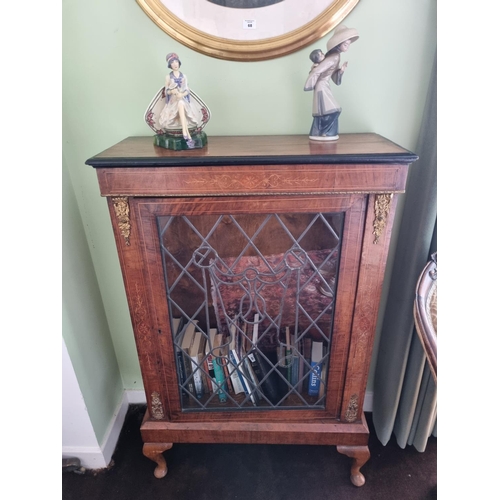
360, 455
154, 451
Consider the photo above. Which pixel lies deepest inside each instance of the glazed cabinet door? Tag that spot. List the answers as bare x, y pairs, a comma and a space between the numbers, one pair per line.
243, 306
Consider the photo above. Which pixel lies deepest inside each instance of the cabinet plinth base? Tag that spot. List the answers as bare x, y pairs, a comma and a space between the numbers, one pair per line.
351, 439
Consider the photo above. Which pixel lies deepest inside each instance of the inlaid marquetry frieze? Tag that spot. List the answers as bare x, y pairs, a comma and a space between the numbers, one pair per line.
365, 313
141, 326
352, 409
156, 407
273, 181
122, 212
382, 208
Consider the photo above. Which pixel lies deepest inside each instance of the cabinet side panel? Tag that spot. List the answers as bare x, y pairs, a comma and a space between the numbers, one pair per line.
125, 227
377, 233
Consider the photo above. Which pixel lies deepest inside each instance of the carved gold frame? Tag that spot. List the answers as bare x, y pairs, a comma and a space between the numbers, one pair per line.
259, 50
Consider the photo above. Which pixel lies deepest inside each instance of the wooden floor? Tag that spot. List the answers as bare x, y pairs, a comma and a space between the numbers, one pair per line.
255, 472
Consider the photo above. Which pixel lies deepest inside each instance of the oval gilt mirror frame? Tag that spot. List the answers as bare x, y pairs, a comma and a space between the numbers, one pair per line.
233, 30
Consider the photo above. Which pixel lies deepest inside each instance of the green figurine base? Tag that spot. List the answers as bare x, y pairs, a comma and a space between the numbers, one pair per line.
177, 143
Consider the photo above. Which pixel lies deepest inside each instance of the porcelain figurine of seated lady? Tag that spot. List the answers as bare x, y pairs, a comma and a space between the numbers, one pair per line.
177, 114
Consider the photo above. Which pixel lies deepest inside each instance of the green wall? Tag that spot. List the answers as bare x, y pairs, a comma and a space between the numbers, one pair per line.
114, 62
84, 326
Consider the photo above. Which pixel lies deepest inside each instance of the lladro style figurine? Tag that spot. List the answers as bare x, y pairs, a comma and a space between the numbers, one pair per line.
176, 114
326, 109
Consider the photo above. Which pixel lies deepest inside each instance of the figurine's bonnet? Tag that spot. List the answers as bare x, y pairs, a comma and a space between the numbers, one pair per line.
171, 57
340, 35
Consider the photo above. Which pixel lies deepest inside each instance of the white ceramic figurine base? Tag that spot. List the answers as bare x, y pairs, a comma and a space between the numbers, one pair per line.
323, 138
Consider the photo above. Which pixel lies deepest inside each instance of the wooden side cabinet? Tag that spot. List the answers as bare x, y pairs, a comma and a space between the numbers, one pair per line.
253, 270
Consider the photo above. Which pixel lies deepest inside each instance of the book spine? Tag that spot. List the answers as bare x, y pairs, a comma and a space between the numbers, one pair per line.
229, 384
177, 331
207, 376
314, 379
236, 377
316, 367
241, 365
198, 382
295, 370
220, 379
283, 387
300, 375
188, 370
282, 368
211, 371
261, 368
307, 347
288, 353
251, 365
180, 367
322, 386
249, 380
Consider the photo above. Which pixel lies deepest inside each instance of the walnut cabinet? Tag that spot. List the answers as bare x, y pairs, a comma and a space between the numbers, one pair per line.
253, 271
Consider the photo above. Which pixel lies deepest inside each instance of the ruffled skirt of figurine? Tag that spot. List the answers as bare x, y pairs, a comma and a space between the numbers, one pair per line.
163, 118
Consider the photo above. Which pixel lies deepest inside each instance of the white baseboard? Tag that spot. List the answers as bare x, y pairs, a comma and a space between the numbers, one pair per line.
136, 397
99, 457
